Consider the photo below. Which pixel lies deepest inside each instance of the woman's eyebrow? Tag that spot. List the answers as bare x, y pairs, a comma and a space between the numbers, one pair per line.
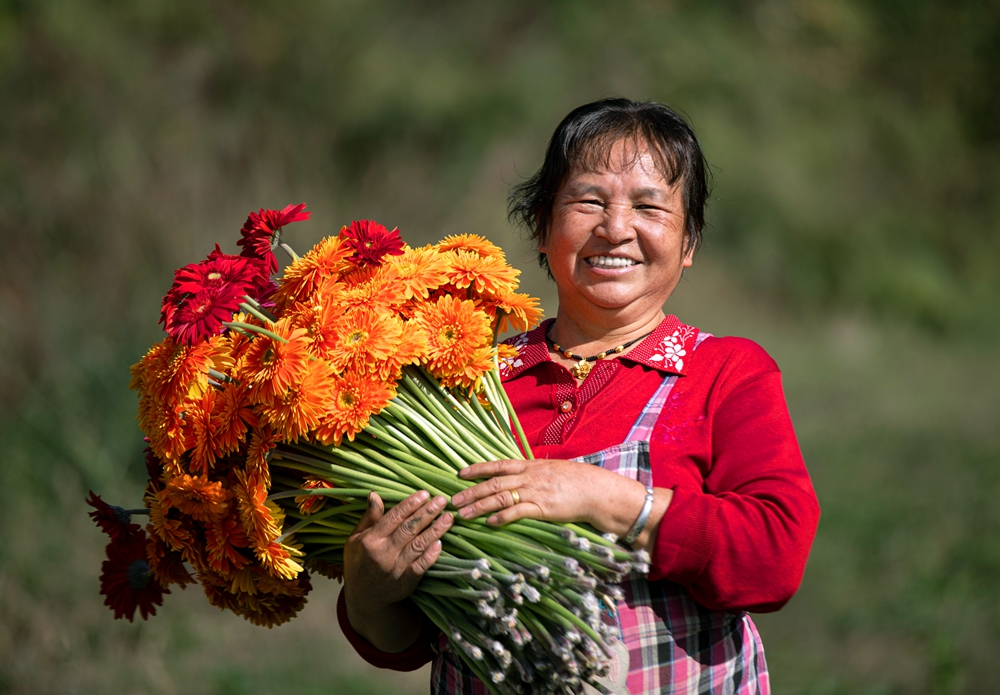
580, 189
656, 193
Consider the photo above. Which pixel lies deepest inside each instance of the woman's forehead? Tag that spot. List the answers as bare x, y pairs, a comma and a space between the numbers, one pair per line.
622, 155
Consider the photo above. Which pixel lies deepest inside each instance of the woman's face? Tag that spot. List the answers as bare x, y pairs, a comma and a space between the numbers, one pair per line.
617, 237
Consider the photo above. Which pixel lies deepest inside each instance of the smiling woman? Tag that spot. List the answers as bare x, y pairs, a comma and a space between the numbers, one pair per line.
677, 442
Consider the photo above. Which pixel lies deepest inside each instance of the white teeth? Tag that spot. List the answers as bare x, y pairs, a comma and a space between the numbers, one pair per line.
610, 262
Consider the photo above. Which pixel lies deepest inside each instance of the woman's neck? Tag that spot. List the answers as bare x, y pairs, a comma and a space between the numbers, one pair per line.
587, 337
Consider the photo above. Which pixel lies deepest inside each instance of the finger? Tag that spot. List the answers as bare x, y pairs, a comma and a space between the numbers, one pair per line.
486, 488
495, 502
410, 527
525, 510
425, 561
394, 516
482, 490
488, 469
374, 512
419, 546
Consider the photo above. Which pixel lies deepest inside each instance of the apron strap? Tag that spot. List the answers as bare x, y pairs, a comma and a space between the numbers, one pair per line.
642, 430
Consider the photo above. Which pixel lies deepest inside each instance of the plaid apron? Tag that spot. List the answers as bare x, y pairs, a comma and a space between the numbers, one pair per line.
675, 646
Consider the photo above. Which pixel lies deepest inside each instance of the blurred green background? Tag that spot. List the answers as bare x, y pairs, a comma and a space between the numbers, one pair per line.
853, 233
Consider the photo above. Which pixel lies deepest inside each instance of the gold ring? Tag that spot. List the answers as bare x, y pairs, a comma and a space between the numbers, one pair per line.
516, 495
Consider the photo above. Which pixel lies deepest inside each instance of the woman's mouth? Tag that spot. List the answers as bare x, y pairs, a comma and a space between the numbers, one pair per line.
610, 262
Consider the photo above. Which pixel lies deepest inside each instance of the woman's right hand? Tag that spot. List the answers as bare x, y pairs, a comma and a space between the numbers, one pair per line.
384, 559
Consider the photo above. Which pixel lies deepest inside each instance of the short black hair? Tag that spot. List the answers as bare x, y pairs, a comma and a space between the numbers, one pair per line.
585, 139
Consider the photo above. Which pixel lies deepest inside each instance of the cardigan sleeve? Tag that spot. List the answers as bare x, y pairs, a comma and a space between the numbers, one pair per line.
740, 539
413, 658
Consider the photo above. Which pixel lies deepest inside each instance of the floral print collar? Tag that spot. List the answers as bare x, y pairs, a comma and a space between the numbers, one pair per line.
666, 349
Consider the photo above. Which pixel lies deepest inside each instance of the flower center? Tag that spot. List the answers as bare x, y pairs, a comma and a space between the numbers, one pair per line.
215, 275
448, 334
356, 337
138, 575
347, 399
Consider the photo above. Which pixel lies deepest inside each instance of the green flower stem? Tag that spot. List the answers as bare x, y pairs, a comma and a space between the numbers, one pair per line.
431, 432
413, 409
501, 434
347, 492
402, 429
309, 521
256, 305
364, 466
417, 481
410, 443
562, 611
433, 611
325, 534
498, 405
440, 588
430, 405
494, 375
278, 479
254, 310
503, 541
336, 510
465, 432
463, 453
339, 475
464, 546
428, 470
253, 329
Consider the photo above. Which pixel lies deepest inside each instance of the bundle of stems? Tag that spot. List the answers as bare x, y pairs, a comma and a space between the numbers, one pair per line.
521, 604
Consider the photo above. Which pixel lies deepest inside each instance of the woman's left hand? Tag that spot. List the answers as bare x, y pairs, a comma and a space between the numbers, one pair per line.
551, 489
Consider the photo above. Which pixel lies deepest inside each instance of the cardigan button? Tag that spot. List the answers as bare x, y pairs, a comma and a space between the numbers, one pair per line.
566, 406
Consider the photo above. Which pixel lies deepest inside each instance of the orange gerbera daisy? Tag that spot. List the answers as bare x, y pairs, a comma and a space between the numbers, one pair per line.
231, 416
410, 349
310, 504
489, 276
382, 291
223, 540
364, 340
200, 498
355, 399
262, 441
167, 565
167, 431
254, 513
420, 270
455, 330
271, 367
520, 312
305, 275
171, 371
201, 432
469, 372
170, 531
479, 245
299, 409
276, 558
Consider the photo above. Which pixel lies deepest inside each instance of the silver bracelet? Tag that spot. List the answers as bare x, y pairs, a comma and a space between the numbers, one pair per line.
640, 523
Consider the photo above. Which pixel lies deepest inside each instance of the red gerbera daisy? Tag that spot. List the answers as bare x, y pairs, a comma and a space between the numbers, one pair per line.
205, 294
127, 582
370, 241
217, 270
192, 319
261, 232
114, 521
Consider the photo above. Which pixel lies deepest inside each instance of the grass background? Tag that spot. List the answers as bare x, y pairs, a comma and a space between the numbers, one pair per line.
853, 233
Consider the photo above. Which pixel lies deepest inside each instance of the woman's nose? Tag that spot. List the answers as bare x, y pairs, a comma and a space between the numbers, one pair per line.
617, 224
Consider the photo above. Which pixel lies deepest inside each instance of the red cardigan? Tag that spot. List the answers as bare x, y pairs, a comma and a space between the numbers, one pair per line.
738, 530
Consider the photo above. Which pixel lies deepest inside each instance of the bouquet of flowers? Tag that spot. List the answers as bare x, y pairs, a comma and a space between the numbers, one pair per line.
273, 409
